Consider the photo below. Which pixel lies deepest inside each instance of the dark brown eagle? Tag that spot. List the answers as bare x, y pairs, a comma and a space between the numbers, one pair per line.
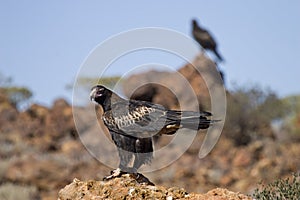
205, 39
132, 124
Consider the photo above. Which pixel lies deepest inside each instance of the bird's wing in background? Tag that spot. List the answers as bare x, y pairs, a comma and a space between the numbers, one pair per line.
203, 35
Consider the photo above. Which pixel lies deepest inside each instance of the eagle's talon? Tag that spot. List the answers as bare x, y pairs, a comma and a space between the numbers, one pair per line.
114, 174
141, 179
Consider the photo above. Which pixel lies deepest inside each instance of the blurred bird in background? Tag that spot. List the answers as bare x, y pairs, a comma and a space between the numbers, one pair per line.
205, 39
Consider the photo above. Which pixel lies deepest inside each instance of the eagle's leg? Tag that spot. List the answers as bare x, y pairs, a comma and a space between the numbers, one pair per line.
140, 159
125, 158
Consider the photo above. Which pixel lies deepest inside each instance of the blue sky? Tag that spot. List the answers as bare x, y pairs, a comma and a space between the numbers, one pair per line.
44, 43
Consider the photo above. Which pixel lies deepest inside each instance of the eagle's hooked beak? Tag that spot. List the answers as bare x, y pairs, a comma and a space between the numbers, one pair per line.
96, 92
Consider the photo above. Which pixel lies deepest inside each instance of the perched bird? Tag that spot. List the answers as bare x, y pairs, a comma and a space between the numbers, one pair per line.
205, 39
133, 123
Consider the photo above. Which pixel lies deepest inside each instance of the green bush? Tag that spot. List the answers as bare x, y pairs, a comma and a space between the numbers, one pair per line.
282, 189
17, 95
250, 111
290, 126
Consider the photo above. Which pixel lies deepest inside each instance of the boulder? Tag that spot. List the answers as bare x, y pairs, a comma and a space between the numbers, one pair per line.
126, 187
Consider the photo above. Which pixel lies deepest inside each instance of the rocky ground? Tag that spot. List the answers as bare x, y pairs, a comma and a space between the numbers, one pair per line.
126, 187
41, 152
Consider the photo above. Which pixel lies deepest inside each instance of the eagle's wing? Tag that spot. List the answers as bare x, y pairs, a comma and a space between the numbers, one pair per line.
135, 118
204, 38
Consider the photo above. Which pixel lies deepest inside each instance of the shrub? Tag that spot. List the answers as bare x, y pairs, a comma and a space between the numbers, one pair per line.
16, 95
250, 112
283, 189
289, 128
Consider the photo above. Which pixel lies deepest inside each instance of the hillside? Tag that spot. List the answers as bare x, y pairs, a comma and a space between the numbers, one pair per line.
41, 152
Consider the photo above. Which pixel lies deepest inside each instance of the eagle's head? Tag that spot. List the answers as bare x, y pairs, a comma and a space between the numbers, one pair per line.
99, 94
194, 22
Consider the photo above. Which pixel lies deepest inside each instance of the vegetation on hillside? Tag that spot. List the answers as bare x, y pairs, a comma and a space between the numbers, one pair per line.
284, 189
41, 142
250, 113
18, 95
290, 124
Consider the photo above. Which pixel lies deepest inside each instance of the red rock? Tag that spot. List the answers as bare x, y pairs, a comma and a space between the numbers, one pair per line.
243, 158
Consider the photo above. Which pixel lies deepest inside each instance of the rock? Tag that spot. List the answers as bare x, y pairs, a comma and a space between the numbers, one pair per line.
152, 92
38, 111
220, 194
126, 187
162, 87
242, 158
41, 172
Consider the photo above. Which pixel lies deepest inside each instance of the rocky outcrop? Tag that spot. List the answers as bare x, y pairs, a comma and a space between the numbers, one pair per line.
40, 148
167, 88
126, 187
